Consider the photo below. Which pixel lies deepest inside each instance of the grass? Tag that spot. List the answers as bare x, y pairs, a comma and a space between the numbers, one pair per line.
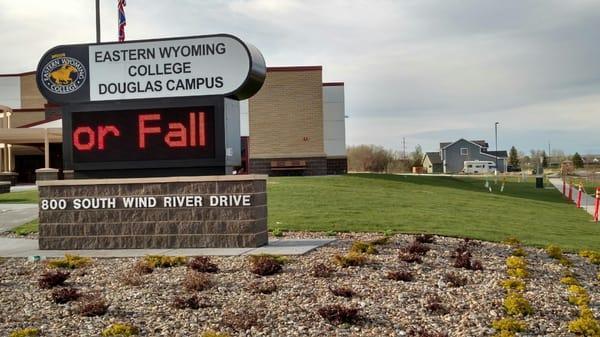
452, 206
30, 227
21, 197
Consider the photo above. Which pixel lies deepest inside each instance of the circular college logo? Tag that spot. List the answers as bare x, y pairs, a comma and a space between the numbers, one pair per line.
63, 75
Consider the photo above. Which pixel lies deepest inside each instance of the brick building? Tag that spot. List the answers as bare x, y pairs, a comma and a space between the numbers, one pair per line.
294, 125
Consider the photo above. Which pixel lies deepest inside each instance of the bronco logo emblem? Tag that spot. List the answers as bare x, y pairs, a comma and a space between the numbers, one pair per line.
63, 75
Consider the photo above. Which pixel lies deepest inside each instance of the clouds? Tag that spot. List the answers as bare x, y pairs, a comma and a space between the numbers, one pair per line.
426, 70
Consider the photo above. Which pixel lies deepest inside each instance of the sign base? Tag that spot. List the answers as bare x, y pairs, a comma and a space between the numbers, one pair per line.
166, 213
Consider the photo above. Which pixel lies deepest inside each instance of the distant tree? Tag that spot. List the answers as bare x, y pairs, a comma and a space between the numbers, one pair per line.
544, 159
577, 160
513, 157
417, 156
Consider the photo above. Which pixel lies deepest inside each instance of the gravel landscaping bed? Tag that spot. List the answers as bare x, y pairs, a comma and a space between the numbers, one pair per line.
385, 307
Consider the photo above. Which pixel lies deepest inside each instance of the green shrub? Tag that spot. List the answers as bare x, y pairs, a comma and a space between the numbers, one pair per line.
363, 247
585, 326
505, 333
518, 272
564, 261
162, 261
211, 333
512, 241
516, 304
120, 330
350, 260
330, 233
519, 252
278, 258
27, 332
277, 232
509, 324
578, 295
516, 262
592, 256
513, 284
554, 251
569, 280
388, 232
70, 262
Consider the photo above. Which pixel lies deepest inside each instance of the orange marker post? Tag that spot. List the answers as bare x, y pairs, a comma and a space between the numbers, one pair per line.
597, 204
579, 193
564, 187
570, 190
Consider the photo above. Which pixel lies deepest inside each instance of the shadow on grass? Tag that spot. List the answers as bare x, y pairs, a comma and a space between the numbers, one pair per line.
525, 190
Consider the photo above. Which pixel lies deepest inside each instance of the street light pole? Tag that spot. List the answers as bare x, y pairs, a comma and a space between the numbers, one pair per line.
97, 21
496, 136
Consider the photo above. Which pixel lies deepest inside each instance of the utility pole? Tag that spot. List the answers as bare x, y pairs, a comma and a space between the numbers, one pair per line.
549, 154
97, 21
496, 136
403, 148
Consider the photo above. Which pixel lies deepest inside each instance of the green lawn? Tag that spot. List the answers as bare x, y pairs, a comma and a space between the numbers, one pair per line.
30, 227
441, 205
21, 197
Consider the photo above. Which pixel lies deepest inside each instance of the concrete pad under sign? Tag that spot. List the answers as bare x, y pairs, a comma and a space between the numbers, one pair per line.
11, 247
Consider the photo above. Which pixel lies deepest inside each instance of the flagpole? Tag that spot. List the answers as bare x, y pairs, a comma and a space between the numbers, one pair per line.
97, 21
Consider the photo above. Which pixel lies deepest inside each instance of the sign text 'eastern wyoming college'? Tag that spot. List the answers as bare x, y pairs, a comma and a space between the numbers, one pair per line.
181, 67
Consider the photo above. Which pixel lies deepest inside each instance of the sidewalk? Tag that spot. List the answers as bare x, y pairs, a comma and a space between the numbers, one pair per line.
13, 215
587, 201
10, 247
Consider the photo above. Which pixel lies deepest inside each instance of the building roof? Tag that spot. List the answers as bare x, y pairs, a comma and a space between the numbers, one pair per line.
481, 143
499, 154
434, 157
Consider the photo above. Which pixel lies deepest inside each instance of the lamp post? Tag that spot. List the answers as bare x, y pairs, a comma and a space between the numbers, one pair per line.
496, 136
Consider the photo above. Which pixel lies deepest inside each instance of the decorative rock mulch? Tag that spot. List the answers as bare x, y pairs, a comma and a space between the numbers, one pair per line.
386, 307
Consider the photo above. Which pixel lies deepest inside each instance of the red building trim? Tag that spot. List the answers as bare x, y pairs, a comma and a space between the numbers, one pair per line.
333, 84
19, 74
28, 109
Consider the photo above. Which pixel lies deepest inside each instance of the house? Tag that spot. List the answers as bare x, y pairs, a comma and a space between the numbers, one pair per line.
452, 156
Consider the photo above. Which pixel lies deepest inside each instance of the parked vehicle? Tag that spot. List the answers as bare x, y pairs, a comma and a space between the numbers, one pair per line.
510, 168
479, 166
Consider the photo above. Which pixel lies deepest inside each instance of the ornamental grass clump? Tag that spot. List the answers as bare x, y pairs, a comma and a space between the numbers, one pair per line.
554, 251
265, 265
70, 262
195, 281
350, 260
516, 262
321, 270
586, 325
518, 272
591, 255
517, 305
512, 241
363, 247
52, 278
417, 248
510, 325
569, 280
578, 296
338, 314
513, 284
162, 261
211, 333
142, 267
120, 330
203, 264
92, 306
519, 251
26, 332
65, 295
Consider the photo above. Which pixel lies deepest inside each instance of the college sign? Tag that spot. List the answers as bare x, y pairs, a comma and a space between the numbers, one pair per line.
214, 65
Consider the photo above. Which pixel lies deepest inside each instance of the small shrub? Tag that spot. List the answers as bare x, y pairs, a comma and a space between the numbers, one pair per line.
516, 304
416, 247
192, 302
92, 306
516, 262
51, 279
120, 330
509, 324
337, 314
427, 333
425, 238
363, 247
463, 260
240, 321
505, 333
203, 264
70, 262
565, 262
65, 295
342, 292
195, 281
27, 332
569, 280
585, 326
143, 267
265, 265
330, 233
409, 258
350, 260
321, 270
266, 288
400, 275
592, 256
554, 251
512, 241
518, 272
433, 303
513, 284
162, 261
519, 252
455, 280
578, 295
131, 279
211, 333
277, 232
388, 232
278, 258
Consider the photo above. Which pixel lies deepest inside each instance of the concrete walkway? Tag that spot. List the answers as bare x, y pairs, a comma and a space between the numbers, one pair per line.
587, 201
10, 247
12, 215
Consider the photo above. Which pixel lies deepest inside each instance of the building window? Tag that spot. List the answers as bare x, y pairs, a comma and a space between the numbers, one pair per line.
464, 151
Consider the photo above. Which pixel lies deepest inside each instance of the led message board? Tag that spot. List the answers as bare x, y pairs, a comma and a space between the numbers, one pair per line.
142, 135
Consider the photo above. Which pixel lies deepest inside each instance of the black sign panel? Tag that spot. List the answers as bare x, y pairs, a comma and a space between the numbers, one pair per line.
143, 135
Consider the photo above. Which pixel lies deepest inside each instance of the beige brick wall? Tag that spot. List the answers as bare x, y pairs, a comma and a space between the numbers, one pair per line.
20, 118
286, 116
30, 95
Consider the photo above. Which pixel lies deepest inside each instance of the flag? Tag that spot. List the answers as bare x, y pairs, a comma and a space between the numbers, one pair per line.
122, 20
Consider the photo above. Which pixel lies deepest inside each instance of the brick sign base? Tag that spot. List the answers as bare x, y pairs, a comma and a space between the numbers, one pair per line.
172, 212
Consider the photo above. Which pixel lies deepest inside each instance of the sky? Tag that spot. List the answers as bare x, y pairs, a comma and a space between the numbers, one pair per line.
423, 70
